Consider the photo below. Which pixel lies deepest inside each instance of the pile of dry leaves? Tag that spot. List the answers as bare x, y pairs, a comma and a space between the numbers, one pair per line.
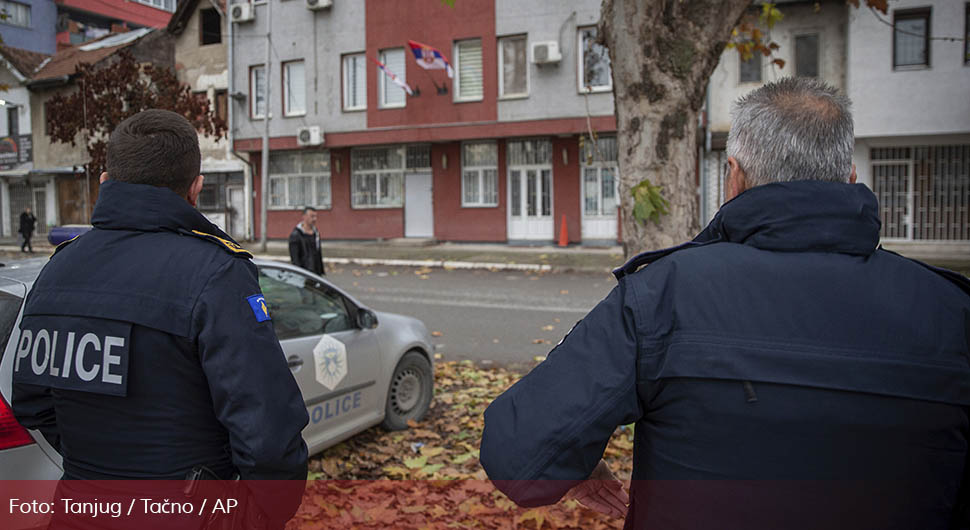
429, 476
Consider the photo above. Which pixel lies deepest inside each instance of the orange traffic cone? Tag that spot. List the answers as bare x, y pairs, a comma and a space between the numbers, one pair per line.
563, 233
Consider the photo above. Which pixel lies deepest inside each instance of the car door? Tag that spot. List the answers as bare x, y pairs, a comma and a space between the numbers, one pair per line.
335, 363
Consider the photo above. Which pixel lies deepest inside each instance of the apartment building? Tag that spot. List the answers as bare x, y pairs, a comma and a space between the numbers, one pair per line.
500, 152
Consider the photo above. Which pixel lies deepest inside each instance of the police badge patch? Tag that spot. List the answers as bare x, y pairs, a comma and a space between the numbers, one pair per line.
258, 304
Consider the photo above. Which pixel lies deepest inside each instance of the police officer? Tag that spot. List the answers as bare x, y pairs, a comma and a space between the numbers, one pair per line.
146, 350
782, 371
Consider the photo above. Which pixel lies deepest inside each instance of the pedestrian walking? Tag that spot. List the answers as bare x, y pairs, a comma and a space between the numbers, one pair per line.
27, 223
304, 243
186, 377
781, 369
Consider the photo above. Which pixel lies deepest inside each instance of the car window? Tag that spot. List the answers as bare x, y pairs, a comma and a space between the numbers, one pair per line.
301, 306
9, 308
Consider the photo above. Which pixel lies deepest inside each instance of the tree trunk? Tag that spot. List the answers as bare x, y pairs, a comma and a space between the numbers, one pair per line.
662, 53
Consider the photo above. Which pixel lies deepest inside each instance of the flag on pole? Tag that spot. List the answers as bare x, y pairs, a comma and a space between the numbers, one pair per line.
430, 58
396, 79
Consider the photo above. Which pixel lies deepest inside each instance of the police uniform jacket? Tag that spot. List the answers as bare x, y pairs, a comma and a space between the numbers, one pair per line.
160, 359
780, 370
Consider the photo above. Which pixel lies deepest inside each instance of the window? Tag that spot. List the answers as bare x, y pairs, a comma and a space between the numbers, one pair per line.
468, 83
13, 121
750, 71
392, 95
479, 174
355, 82
594, 63
806, 55
298, 179
301, 306
599, 177
210, 27
222, 104
911, 38
377, 177
294, 89
167, 5
513, 69
257, 92
17, 14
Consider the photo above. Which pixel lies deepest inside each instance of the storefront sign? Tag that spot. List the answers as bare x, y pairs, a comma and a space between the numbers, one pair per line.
15, 150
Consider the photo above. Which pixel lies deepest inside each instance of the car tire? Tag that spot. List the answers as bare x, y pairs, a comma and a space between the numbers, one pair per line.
409, 394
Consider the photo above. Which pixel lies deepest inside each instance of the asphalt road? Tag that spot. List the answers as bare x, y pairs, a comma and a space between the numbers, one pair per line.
503, 317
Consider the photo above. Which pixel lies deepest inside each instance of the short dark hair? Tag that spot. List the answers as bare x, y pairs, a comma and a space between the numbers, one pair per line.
309, 209
156, 147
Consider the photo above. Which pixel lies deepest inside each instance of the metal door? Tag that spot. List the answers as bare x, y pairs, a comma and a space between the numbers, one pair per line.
235, 199
418, 212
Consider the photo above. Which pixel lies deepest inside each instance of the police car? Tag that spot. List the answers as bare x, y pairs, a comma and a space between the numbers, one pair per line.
356, 367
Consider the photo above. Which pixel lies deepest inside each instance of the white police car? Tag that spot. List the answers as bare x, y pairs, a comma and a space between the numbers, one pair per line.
356, 367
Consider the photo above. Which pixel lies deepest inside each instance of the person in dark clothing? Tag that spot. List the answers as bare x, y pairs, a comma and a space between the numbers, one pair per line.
186, 372
305, 243
782, 370
27, 222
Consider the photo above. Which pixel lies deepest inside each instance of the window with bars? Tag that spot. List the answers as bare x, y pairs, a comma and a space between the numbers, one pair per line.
513, 69
392, 95
298, 179
594, 63
377, 176
468, 67
257, 92
923, 191
355, 82
806, 55
294, 89
17, 14
911, 38
479, 174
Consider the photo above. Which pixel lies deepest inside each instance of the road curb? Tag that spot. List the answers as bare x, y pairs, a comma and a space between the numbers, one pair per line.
451, 264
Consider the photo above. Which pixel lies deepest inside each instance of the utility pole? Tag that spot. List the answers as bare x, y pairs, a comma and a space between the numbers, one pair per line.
264, 159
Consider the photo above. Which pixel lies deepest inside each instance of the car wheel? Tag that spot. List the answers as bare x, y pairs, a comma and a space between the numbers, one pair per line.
409, 394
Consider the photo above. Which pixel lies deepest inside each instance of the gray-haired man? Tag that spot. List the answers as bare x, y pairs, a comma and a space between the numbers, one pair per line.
782, 371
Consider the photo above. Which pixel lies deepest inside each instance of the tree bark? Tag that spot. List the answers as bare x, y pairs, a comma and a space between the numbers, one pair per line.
662, 53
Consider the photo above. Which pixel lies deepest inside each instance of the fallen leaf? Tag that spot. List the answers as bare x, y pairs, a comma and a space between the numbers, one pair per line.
564, 291
548, 328
436, 333
416, 462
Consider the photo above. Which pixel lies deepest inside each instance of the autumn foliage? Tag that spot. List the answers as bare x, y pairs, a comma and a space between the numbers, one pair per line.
429, 475
109, 93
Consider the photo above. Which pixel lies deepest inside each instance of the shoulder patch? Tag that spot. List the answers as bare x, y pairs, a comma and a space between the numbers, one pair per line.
228, 245
63, 244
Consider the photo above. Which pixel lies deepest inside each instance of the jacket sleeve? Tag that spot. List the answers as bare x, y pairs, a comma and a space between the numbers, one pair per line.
296, 249
547, 432
33, 406
253, 392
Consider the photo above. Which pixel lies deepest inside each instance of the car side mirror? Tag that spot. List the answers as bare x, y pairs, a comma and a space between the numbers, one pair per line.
366, 319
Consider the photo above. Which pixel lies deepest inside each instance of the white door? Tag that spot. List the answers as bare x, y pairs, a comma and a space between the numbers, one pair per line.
598, 195
530, 203
235, 198
418, 213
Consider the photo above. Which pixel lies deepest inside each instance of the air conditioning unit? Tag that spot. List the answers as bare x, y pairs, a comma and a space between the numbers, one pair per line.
546, 52
242, 12
314, 5
309, 135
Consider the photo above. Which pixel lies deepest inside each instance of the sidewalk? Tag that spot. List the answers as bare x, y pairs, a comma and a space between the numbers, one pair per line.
491, 256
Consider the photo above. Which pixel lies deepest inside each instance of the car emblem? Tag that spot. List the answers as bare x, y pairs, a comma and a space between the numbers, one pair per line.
330, 361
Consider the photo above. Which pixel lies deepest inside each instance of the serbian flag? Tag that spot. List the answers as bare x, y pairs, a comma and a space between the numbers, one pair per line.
396, 79
430, 58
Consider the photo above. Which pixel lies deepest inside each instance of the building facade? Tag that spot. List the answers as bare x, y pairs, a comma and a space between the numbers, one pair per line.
493, 153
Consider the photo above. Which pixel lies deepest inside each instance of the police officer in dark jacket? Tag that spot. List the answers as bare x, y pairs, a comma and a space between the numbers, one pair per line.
162, 356
782, 370
304, 243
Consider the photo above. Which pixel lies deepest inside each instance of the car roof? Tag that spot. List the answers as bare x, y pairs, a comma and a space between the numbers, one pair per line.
21, 270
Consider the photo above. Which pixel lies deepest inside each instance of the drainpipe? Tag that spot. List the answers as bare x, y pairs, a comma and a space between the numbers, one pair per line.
264, 162
231, 107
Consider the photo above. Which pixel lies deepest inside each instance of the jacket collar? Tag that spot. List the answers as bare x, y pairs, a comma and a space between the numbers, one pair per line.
805, 216
141, 207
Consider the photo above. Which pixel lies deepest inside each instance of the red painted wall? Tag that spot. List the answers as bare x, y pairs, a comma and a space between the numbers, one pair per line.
565, 188
391, 23
141, 14
451, 221
340, 221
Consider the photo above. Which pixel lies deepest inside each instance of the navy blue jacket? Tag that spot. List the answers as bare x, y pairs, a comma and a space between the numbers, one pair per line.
781, 372
160, 362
